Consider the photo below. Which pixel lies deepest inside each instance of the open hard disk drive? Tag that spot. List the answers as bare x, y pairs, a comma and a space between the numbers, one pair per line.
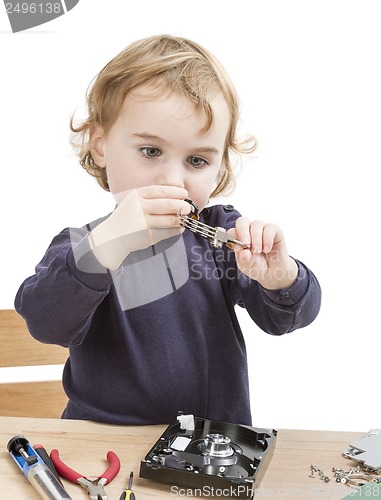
217, 458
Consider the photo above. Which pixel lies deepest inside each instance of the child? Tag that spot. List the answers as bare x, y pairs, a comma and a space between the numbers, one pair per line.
145, 306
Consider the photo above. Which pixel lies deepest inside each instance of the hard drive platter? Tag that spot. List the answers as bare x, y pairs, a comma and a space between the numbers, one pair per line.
215, 457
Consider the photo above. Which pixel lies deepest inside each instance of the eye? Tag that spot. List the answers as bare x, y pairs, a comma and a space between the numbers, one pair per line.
196, 161
149, 151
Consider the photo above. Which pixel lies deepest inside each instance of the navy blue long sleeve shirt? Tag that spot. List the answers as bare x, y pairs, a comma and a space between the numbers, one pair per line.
159, 335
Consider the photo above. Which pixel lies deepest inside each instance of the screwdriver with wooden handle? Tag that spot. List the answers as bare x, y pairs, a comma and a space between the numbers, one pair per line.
128, 494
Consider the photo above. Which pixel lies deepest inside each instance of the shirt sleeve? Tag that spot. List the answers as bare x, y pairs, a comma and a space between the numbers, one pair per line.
285, 310
59, 300
275, 311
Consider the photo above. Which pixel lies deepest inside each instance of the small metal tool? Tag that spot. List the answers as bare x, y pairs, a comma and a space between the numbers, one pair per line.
217, 236
128, 494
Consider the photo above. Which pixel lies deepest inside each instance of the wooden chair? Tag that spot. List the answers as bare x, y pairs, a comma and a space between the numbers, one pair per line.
18, 348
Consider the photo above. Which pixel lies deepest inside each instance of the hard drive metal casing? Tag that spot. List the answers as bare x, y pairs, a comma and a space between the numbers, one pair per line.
217, 457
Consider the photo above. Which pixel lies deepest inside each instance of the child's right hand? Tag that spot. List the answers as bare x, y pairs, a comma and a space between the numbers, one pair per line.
144, 217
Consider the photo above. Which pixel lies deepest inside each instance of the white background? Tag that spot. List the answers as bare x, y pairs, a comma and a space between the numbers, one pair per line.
308, 74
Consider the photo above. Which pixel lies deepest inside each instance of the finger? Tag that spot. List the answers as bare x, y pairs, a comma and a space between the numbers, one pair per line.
165, 206
256, 232
244, 255
270, 236
153, 192
242, 230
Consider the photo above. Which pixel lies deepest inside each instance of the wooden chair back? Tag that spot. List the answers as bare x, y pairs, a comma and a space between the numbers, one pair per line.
18, 349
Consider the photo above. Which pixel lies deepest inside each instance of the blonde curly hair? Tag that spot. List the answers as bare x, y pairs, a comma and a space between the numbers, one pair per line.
171, 64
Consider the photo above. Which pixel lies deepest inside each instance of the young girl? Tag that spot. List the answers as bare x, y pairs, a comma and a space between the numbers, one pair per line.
145, 306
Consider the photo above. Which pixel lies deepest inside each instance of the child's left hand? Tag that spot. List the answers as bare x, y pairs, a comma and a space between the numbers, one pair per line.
267, 261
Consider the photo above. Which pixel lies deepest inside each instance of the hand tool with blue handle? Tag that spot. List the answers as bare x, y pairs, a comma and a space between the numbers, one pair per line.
37, 472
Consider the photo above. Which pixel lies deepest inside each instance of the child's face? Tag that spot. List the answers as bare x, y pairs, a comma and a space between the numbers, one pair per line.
158, 141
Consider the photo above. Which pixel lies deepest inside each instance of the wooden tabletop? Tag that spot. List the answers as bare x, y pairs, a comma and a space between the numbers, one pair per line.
83, 446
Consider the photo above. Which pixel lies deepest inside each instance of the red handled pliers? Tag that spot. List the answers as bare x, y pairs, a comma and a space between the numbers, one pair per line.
95, 485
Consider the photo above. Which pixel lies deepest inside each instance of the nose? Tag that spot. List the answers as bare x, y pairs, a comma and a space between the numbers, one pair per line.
171, 174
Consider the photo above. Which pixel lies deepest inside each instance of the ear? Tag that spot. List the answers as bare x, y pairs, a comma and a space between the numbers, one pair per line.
97, 138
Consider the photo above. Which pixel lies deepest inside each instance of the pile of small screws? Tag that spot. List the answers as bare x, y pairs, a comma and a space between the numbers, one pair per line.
354, 477
322, 476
